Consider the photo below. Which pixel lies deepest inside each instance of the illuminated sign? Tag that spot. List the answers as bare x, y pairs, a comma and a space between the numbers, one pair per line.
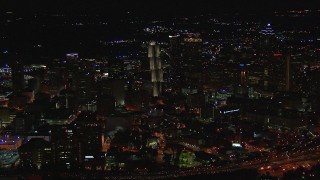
277, 55
236, 145
174, 36
231, 111
72, 54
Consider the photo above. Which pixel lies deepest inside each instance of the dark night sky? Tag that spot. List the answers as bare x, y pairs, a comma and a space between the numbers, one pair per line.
156, 7
26, 35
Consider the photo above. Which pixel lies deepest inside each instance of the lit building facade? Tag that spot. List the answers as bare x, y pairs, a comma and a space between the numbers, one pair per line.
36, 152
155, 68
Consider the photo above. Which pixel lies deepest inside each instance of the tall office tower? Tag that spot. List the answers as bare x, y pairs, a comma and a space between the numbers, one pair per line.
175, 51
267, 40
72, 57
288, 74
243, 78
87, 136
155, 67
72, 67
72, 63
36, 152
191, 58
267, 30
18, 82
175, 54
191, 52
64, 147
84, 85
243, 75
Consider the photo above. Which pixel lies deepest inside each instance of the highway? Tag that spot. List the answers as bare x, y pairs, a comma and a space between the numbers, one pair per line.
272, 165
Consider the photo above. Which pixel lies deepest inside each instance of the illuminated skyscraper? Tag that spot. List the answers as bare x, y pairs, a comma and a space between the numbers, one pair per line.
191, 53
267, 31
155, 67
243, 75
191, 58
72, 57
268, 41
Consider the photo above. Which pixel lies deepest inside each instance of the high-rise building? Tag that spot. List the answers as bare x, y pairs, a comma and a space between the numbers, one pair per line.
72, 57
191, 58
88, 136
105, 104
77, 143
18, 82
175, 52
243, 75
268, 41
191, 52
118, 91
36, 152
288, 74
71, 66
268, 30
65, 149
155, 67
